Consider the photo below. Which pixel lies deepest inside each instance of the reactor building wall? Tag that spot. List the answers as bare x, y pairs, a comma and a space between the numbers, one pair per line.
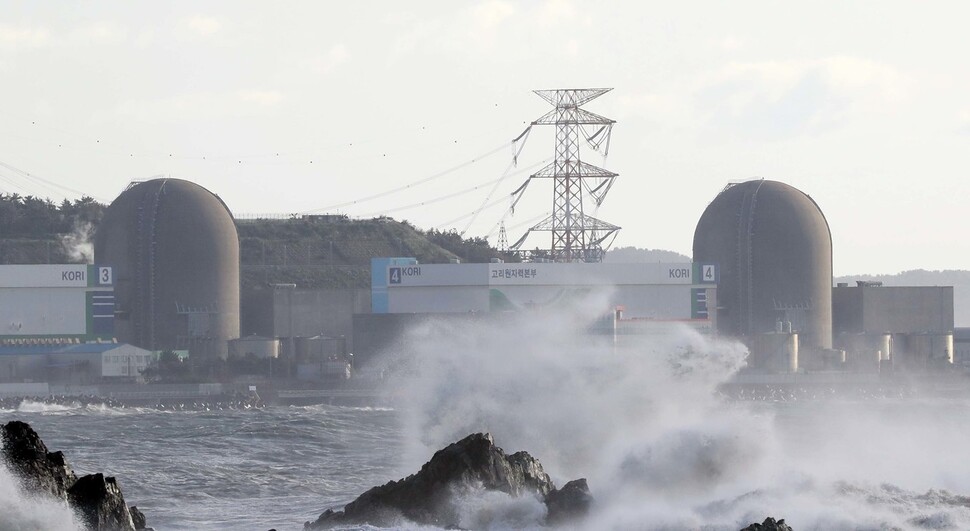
175, 251
774, 250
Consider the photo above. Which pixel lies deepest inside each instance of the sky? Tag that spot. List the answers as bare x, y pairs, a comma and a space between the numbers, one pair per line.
408, 109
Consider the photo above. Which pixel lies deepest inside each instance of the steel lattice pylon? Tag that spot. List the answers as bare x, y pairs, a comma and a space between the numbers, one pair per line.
576, 236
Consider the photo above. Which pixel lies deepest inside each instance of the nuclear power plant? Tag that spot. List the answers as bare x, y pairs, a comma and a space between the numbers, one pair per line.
175, 252
168, 279
773, 246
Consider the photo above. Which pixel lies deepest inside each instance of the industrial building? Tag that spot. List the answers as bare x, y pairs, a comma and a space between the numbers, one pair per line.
288, 311
773, 246
56, 303
83, 363
909, 327
637, 298
57, 324
175, 253
644, 291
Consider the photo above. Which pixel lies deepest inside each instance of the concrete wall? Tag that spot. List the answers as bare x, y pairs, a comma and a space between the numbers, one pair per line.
285, 312
895, 309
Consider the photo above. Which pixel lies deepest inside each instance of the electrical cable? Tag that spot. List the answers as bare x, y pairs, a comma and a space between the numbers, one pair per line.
409, 185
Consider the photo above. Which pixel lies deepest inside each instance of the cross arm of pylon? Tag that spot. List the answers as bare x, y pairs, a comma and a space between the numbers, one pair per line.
576, 116
584, 221
583, 170
559, 97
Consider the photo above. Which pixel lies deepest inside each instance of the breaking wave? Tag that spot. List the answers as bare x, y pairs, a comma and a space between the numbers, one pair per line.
661, 447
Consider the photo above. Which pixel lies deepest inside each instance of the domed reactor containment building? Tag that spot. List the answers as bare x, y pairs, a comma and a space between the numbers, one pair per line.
774, 249
175, 251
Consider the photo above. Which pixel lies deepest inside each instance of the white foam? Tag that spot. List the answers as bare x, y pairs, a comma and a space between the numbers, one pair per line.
660, 447
21, 512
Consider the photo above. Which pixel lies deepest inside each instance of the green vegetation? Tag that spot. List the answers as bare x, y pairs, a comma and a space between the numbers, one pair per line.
31, 217
335, 251
327, 251
38, 231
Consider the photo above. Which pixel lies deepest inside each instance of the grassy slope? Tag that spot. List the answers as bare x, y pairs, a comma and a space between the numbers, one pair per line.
327, 253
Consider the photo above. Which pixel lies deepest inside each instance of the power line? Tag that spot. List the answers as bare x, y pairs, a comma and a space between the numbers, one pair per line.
451, 195
38, 179
409, 185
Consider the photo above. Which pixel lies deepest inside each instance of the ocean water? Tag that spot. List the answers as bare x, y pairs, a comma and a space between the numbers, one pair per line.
245, 469
661, 448
281, 466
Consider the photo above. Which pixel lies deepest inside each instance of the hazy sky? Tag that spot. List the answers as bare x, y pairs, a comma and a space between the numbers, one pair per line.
300, 106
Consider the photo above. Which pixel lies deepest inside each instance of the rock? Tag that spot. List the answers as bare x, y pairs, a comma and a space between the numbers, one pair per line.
99, 503
41, 471
572, 501
138, 519
769, 525
427, 497
96, 499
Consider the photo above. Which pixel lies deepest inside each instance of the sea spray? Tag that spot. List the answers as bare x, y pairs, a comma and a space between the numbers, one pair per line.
24, 512
661, 447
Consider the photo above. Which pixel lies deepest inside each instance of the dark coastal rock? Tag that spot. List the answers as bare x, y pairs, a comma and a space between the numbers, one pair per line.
769, 525
427, 497
572, 501
41, 471
97, 499
99, 503
138, 519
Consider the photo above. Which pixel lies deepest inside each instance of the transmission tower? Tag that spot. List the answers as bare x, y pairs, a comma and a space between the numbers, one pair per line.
503, 239
576, 236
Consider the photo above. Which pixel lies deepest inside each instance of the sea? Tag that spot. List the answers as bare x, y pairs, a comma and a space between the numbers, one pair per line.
661, 447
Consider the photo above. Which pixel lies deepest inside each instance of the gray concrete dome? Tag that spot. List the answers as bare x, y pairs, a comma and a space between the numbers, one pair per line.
774, 250
175, 252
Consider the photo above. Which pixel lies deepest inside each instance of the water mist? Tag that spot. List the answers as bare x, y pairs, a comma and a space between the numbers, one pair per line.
662, 449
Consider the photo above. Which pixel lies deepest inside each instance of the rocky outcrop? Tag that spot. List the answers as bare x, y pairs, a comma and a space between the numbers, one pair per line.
95, 498
27, 456
769, 525
99, 503
572, 501
428, 497
138, 519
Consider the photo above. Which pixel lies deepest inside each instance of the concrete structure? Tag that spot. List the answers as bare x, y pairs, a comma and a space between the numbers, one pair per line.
175, 251
285, 311
56, 303
898, 309
261, 347
633, 299
774, 249
910, 326
83, 363
961, 346
662, 292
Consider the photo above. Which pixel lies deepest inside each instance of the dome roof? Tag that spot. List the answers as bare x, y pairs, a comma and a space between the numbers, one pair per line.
175, 251
774, 250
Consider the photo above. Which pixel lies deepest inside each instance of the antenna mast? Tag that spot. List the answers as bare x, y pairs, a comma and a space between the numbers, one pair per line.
576, 236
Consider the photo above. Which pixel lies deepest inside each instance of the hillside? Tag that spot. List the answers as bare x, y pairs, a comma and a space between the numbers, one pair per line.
309, 251
335, 251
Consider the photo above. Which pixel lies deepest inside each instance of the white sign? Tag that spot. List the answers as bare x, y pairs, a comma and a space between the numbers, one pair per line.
43, 276
104, 276
708, 274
